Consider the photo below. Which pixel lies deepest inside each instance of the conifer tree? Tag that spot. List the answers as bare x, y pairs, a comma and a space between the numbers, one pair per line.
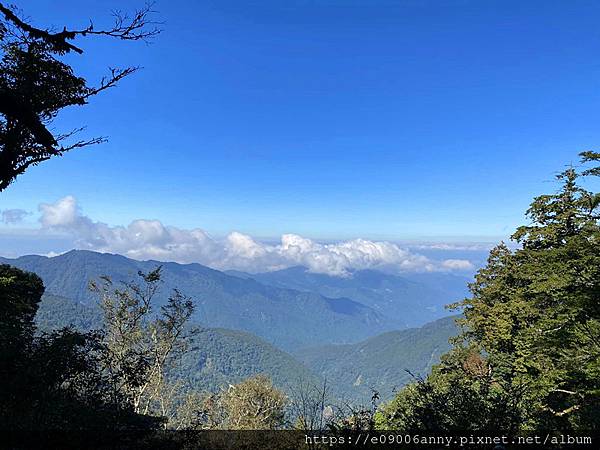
529, 354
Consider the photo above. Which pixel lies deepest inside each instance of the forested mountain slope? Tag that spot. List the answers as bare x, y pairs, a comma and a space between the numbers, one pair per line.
409, 300
381, 363
287, 318
217, 357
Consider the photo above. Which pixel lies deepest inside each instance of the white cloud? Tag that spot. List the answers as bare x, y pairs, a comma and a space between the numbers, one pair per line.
150, 239
483, 246
457, 264
13, 216
62, 213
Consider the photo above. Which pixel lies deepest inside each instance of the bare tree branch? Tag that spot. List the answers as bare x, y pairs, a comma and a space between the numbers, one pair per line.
35, 85
58, 41
111, 80
125, 27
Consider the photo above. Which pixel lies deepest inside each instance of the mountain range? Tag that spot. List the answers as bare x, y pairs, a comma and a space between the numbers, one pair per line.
287, 318
291, 324
409, 300
291, 308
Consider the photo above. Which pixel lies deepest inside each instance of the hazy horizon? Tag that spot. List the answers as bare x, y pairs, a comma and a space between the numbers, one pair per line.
61, 226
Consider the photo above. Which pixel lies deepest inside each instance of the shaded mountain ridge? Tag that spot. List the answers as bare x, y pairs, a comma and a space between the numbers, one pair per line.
285, 317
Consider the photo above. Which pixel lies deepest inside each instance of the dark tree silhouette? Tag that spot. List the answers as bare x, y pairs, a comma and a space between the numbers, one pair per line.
56, 380
35, 85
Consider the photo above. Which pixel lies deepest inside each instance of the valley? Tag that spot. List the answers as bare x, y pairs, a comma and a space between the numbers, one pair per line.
361, 333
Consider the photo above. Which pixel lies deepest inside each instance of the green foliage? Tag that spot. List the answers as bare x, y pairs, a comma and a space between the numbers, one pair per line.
380, 363
53, 380
253, 404
221, 357
141, 347
460, 394
529, 354
216, 358
20, 294
56, 312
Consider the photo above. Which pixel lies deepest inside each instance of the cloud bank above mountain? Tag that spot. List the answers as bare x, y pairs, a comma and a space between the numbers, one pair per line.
151, 239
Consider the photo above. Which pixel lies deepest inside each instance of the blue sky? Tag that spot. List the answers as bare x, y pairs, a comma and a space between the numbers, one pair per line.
398, 120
